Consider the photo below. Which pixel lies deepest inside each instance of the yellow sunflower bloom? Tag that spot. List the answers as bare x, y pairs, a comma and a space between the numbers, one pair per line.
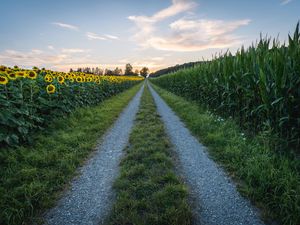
3, 68
3, 80
79, 79
61, 79
11, 75
50, 89
20, 74
32, 75
48, 78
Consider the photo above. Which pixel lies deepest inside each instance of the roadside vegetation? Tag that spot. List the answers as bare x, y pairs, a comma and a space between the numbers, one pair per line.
148, 191
31, 99
32, 177
259, 87
268, 178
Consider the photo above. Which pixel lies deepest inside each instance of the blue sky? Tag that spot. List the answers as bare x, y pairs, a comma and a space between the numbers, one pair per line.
59, 34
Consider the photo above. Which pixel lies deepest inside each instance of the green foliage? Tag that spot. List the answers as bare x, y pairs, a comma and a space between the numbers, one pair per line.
128, 70
26, 107
259, 87
144, 71
148, 191
32, 177
270, 179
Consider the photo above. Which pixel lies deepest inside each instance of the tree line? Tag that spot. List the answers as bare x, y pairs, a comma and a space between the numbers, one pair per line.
128, 71
173, 69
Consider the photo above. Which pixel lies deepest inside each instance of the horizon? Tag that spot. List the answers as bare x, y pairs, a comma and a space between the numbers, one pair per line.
158, 34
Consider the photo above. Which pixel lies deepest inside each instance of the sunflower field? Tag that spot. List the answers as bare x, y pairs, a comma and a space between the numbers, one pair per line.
259, 87
30, 99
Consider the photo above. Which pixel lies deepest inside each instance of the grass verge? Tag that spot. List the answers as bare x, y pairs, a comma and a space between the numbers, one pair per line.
148, 191
32, 177
272, 181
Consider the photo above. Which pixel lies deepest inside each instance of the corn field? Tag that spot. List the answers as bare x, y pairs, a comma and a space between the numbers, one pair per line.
30, 99
258, 86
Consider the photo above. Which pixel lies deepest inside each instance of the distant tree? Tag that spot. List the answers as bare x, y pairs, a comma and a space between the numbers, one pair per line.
109, 72
118, 71
128, 70
136, 72
175, 68
144, 71
71, 70
87, 70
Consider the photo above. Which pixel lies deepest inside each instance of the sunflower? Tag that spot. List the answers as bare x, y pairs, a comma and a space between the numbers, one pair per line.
61, 79
3, 80
71, 80
48, 78
79, 79
3, 68
11, 75
20, 74
50, 89
32, 75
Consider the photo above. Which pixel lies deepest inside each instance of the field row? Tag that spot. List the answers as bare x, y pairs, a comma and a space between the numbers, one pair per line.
258, 86
30, 99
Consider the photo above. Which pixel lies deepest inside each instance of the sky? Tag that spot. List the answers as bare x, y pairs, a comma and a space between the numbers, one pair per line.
64, 34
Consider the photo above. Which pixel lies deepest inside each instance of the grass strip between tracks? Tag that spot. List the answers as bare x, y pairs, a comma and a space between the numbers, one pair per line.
148, 191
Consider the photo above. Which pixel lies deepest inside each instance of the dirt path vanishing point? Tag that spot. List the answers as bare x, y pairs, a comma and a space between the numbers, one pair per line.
90, 197
217, 202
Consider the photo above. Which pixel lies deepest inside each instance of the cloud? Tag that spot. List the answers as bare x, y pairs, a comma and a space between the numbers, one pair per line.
153, 63
37, 51
157, 58
94, 36
284, 2
50, 47
64, 59
111, 37
67, 26
74, 50
39, 58
29, 59
185, 34
178, 6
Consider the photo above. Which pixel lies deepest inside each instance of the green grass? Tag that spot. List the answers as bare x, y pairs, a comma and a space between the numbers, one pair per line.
148, 191
33, 177
271, 180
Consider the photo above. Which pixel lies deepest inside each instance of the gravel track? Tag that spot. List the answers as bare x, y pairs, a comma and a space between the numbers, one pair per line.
216, 200
90, 197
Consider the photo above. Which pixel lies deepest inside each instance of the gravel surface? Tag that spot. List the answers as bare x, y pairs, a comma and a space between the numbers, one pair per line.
90, 197
217, 202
